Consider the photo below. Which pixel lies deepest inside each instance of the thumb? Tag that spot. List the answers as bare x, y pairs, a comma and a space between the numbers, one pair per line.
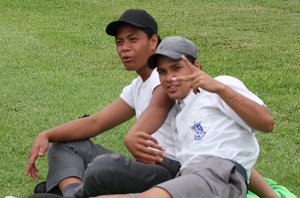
41, 152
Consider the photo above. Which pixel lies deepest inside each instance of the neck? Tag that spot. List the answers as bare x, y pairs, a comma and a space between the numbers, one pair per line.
144, 73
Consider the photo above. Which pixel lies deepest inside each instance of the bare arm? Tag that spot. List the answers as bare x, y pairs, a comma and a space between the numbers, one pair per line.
138, 139
79, 129
88, 127
155, 114
254, 115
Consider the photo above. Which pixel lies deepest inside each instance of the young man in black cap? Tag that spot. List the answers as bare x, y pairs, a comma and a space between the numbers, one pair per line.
73, 158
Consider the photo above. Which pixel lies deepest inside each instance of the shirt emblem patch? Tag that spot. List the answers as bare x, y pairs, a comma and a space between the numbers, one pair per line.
199, 132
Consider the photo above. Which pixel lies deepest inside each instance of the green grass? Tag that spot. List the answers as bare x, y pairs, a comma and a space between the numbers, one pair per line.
57, 63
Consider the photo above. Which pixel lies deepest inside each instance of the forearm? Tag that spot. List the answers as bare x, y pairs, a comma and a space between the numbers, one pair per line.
150, 121
79, 129
155, 114
88, 127
255, 115
138, 140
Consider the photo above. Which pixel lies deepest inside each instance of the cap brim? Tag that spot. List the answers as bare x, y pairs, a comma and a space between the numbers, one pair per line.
152, 60
112, 28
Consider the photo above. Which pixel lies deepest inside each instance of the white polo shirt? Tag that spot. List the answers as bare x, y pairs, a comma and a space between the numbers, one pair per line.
208, 126
138, 95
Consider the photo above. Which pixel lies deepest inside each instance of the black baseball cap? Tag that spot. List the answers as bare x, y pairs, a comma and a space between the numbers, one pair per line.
173, 47
135, 17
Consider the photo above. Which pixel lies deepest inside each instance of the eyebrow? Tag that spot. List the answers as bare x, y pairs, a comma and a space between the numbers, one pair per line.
131, 34
176, 64
173, 65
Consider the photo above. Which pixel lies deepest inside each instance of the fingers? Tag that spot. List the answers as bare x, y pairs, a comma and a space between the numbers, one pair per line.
31, 168
184, 78
151, 142
195, 84
42, 151
189, 64
194, 69
149, 157
145, 148
34, 172
148, 137
154, 145
151, 150
30, 163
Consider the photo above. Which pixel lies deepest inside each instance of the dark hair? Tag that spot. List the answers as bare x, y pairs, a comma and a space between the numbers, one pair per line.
150, 33
191, 59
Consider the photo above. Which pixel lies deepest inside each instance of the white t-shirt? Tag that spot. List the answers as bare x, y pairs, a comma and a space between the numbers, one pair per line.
206, 125
138, 95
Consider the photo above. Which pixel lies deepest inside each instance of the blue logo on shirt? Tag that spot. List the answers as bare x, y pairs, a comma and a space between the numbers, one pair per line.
199, 132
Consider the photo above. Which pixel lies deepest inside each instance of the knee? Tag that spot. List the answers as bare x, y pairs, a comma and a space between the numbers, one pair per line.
102, 173
103, 166
59, 147
77, 147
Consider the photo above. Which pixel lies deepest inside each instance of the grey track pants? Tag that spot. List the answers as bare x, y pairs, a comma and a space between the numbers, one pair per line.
104, 171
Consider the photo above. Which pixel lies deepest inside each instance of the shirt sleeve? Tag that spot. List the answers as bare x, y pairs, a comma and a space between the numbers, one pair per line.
139, 90
127, 93
154, 80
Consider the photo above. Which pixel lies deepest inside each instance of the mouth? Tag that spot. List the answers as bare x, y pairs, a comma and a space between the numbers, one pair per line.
172, 88
127, 59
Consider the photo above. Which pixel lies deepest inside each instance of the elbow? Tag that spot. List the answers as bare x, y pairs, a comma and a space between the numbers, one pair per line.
269, 125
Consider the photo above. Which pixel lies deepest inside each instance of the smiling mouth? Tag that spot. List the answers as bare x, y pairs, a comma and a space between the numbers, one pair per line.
172, 88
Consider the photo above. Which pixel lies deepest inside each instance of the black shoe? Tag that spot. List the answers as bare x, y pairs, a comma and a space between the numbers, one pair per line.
41, 188
45, 195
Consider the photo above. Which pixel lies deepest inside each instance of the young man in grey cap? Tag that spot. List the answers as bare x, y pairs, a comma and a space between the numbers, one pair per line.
215, 126
108, 172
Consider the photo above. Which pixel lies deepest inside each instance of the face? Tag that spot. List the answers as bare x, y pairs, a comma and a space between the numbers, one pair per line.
168, 69
134, 47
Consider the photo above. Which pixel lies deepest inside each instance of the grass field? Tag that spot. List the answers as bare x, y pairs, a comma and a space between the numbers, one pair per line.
57, 63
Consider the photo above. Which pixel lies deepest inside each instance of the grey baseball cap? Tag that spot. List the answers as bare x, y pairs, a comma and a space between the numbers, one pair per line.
173, 47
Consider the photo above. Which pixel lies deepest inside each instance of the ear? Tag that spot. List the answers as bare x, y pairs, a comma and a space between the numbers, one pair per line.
154, 41
197, 64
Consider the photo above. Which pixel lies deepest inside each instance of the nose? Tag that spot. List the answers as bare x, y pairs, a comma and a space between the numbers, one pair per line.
169, 76
126, 46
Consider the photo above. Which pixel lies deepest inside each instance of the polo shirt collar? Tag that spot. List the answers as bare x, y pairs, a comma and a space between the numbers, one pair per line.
181, 103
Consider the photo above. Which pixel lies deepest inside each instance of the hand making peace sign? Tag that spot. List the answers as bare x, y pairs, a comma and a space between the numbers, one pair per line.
198, 78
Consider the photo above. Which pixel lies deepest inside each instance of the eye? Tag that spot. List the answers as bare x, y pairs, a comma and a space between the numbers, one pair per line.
133, 39
119, 42
161, 71
177, 67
